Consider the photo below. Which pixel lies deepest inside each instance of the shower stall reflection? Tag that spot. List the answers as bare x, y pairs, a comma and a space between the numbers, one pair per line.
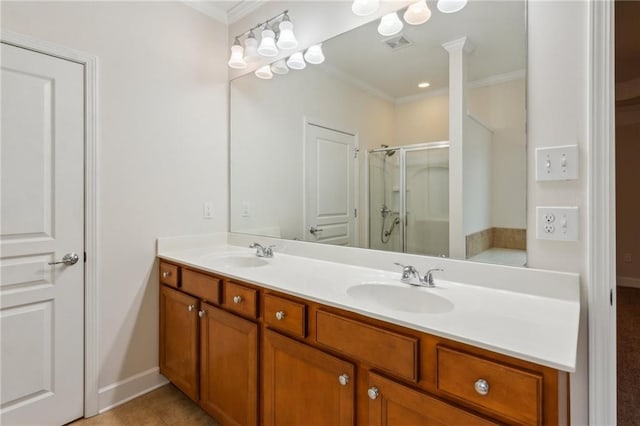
409, 198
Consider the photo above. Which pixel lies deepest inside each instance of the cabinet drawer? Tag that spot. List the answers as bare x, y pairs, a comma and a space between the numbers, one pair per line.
201, 285
381, 348
285, 315
240, 299
512, 393
169, 274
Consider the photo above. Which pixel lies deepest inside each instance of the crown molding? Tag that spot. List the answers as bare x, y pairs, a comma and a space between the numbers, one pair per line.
208, 8
348, 78
242, 9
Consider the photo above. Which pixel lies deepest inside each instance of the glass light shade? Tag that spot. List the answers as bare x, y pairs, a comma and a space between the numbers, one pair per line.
251, 49
390, 24
264, 72
286, 39
314, 54
296, 61
364, 7
237, 61
268, 44
451, 6
280, 67
418, 13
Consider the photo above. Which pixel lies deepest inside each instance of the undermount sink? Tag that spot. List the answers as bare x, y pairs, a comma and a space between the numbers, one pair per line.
407, 299
238, 261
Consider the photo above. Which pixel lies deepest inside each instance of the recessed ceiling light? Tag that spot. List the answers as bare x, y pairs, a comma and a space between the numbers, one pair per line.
424, 85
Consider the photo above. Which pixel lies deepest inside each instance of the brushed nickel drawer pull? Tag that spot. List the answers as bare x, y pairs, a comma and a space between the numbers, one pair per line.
237, 299
280, 315
481, 386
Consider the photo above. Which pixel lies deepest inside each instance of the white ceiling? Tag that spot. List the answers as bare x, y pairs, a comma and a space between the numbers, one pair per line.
496, 29
226, 11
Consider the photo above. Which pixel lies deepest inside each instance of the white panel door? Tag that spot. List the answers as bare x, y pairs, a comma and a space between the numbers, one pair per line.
330, 195
42, 208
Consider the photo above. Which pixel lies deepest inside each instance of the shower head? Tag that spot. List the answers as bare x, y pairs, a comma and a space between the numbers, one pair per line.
390, 153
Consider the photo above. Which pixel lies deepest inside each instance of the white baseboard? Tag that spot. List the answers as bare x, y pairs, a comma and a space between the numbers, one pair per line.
628, 282
125, 390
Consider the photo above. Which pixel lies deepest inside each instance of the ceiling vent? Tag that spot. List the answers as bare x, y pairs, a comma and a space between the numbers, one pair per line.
397, 42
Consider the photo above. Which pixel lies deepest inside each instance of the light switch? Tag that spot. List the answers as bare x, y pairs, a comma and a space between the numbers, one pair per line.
244, 209
207, 210
557, 223
557, 163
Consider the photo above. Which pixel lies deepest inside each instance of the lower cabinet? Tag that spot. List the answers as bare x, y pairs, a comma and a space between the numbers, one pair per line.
303, 385
179, 340
391, 403
228, 367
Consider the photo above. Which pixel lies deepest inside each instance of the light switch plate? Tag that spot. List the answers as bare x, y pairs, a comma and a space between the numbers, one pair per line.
207, 210
557, 163
557, 223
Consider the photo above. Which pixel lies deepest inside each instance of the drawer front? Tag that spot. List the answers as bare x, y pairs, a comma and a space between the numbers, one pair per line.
512, 393
169, 274
389, 351
204, 286
285, 315
240, 299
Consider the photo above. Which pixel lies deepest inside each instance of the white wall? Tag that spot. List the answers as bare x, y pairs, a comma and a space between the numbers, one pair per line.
162, 151
423, 120
476, 176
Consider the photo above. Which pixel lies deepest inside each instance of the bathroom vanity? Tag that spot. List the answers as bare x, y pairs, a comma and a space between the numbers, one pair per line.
283, 350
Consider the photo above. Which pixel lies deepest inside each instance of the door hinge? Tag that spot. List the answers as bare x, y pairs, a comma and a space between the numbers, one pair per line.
355, 212
85, 257
611, 296
355, 152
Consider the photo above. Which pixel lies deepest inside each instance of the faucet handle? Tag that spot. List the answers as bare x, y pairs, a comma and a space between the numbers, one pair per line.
407, 272
268, 251
428, 277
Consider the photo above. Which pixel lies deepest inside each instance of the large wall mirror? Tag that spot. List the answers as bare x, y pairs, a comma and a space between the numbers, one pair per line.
356, 150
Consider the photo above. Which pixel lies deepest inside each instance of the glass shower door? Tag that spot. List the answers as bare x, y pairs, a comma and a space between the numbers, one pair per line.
426, 203
385, 230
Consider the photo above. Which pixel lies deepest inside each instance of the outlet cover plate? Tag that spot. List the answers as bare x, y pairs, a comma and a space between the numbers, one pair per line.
563, 225
557, 163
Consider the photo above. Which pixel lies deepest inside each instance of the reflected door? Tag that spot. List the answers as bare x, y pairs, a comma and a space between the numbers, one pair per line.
42, 184
330, 193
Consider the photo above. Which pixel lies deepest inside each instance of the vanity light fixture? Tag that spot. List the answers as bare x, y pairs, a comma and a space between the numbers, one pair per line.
451, 6
390, 24
264, 72
251, 48
364, 7
286, 39
237, 61
314, 54
296, 61
417, 13
424, 84
280, 67
267, 46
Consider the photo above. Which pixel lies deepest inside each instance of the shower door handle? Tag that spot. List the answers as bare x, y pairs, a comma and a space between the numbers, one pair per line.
315, 230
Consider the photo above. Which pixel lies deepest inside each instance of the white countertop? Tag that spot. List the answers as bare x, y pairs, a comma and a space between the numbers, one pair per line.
539, 328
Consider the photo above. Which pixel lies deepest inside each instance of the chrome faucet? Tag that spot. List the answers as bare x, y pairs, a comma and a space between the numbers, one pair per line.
262, 251
409, 272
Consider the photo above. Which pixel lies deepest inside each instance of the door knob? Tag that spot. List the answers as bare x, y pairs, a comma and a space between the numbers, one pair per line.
68, 259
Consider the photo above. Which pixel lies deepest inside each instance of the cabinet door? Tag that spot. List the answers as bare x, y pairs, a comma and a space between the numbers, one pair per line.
179, 340
303, 385
391, 403
228, 367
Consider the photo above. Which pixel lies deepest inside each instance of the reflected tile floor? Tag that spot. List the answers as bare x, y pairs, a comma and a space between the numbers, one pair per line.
165, 406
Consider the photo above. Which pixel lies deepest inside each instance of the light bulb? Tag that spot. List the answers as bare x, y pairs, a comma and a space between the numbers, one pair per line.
280, 67
418, 13
451, 6
286, 39
268, 44
365, 7
237, 61
390, 24
314, 54
251, 48
264, 72
296, 61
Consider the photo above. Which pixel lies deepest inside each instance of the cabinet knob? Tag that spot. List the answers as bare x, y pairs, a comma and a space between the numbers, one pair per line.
201, 313
343, 379
237, 299
280, 315
166, 274
481, 386
373, 392
191, 308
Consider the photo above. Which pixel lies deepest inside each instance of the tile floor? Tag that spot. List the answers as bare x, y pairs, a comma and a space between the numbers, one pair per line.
165, 406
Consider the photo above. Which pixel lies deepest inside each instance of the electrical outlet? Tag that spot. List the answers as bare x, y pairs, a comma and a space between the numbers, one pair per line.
244, 210
207, 210
557, 223
627, 258
557, 163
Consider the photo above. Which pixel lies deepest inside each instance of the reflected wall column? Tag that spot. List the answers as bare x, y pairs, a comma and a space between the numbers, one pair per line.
458, 50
